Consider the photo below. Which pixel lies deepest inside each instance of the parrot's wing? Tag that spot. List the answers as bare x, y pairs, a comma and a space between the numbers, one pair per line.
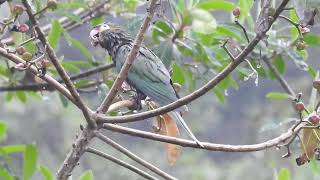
149, 75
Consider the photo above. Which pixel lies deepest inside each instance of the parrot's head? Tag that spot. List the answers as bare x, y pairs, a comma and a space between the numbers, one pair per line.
109, 37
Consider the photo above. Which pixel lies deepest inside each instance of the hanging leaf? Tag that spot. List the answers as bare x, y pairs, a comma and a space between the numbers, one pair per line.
46, 173
30, 158
21, 96
55, 34
178, 75
96, 20
78, 45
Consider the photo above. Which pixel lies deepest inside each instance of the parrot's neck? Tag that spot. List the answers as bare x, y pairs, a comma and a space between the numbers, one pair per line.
113, 40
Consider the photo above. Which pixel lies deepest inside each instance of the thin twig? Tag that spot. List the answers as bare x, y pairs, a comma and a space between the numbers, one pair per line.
121, 163
134, 157
51, 54
244, 30
275, 142
129, 60
282, 81
49, 87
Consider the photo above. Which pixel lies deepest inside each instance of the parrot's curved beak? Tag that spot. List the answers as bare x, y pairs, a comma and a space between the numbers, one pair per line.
94, 35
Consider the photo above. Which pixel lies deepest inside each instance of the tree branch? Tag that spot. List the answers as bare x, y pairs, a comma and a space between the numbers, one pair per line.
129, 60
134, 157
121, 163
282, 81
208, 146
64, 76
49, 87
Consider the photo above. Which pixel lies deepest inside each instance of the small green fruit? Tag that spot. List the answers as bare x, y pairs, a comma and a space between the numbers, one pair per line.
52, 4
27, 56
301, 45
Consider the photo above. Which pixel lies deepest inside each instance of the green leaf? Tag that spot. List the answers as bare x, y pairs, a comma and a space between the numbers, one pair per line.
97, 20
219, 93
21, 96
180, 6
78, 45
284, 174
5, 174
72, 5
13, 148
55, 34
273, 95
312, 39
217, 5
30, 157
178, 75
280, 65
3, 129
70, 67
46, 173
87, 175
161, 28
312, 72
245, 7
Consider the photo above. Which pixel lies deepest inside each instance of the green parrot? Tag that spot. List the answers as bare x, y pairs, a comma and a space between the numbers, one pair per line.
147, 75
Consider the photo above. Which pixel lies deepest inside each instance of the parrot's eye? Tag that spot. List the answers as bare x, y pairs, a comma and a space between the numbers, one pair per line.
104, 27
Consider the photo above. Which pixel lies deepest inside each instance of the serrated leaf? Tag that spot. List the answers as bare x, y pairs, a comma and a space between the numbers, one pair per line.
55, 34
46, 173
217, 5
273, 95
284, 174
30, 158
87, 175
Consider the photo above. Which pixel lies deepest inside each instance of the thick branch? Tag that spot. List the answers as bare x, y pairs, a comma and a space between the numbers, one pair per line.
78, 148
208, 146
129, 60
134, 157
101, 118
64, 76
121, 163
49, 87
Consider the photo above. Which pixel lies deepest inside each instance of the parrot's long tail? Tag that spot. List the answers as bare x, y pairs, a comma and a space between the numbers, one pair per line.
176, 115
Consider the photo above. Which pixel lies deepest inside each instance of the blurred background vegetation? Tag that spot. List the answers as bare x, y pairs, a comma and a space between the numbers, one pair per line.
43, 124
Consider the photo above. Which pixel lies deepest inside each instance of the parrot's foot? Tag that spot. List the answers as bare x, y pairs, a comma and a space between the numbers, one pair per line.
137, 101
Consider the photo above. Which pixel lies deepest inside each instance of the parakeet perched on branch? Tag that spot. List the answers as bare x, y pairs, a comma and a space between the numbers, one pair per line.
147, 75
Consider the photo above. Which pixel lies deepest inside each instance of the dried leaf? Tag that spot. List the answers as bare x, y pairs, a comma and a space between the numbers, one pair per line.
309, 142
